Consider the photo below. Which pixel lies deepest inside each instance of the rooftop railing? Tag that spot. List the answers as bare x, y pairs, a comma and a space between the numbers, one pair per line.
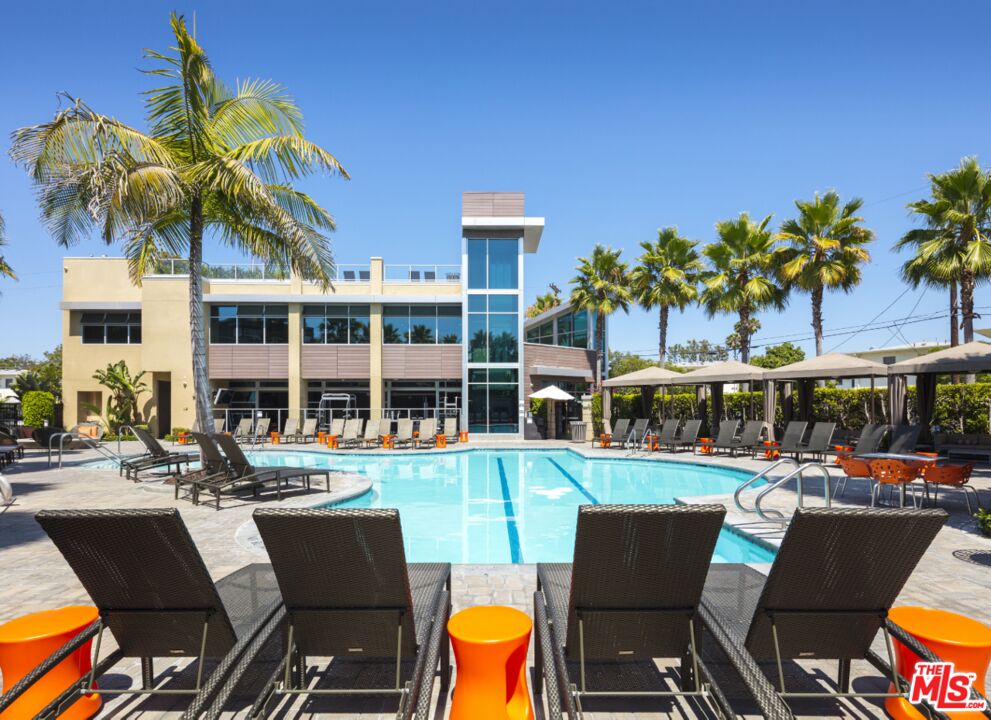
253, 271
423, 273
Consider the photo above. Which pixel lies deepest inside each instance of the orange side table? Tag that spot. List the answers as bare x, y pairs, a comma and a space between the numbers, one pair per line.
26, 641
441, 441
321, 438
605, 440
770, 449
463, 436
388, 442
705, 449
183, 438
274, 437
331, 441
841, 450
490, 645
954, 638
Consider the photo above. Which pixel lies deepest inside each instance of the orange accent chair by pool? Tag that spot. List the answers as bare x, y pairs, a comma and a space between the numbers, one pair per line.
955, 476
853, 467
893, 473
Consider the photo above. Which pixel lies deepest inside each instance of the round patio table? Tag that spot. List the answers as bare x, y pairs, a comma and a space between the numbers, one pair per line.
905, 458
490, 645
954, 638
26, 641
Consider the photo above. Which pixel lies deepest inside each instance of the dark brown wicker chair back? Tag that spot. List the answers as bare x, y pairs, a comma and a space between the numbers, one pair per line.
834, 578
690, 432
146, 577
727, 432
794, 432
343, 578
822, 433
637, 578
235, 456
148, 440
669, 430
751, 432
871, 442
904, 438
213, 461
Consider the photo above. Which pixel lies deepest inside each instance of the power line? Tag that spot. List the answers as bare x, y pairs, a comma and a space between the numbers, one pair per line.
888, 307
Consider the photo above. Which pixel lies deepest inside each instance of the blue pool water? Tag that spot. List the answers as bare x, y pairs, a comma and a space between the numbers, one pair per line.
518, 506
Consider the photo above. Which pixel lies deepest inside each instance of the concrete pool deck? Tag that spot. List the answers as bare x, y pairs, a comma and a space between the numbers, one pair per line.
955, 573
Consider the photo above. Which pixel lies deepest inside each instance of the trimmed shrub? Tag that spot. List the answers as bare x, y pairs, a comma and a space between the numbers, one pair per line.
38, 407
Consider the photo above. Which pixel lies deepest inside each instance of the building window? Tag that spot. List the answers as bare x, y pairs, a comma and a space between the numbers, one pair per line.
888, 360
335, 324
421, 324
543, 334
572, 330
493, 400
112, 328
493, 264
249, 324
492, 329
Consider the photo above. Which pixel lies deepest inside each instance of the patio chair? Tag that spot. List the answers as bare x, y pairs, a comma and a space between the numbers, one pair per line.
404, 433
451, 429
827, 595
243, 470
668, 432
155, 457
350, 432
308, 433
349, 594
892, 473
868, 441
822, 433
630, 597
904, 438
214, 468
156, 599
290, 433
7, 441
337, 427
621, 430
261, 430
218, 425
633, 437
724, 438
951, 476
244, 430
749, 440
427, 436
689, 434
794, 434
853, 467
371, 438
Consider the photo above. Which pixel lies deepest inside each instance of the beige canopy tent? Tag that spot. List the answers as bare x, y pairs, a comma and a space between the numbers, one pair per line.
716, 375
831, 366
645, 377
972, 357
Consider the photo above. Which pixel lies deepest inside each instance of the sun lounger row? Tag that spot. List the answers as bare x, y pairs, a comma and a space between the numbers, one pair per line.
640, 589
352, 432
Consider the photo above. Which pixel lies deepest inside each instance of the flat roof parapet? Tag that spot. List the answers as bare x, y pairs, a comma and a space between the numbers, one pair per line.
492, 204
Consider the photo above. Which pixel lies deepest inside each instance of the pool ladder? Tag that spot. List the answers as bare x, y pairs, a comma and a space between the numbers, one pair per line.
101, 449
798, 472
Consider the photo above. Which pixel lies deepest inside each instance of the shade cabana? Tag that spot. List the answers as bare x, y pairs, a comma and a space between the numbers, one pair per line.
972, 357
652, 376
831, 366
718, 374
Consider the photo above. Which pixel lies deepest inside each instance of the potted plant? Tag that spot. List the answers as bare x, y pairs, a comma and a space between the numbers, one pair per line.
984, 521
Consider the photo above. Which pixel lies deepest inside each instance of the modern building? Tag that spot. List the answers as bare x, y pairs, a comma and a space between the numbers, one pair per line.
7, 378
384, 340
889, 355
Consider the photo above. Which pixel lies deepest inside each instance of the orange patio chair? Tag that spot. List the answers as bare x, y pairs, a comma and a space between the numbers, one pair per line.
853, 467
955, 476
892, 473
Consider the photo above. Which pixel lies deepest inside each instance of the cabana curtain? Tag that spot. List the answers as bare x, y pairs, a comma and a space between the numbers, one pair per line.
806, 394
896, 399
769, 407
717, 405
925, 398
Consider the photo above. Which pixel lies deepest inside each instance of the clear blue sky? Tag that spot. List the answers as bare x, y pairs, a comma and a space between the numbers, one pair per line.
614, 118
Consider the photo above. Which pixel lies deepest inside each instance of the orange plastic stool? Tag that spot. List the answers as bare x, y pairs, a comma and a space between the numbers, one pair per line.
705, 445
26, 641
771, 449
388, 442
955, 638
183, 438
274, 435
463, 437
441, 441
490, 644
605, 439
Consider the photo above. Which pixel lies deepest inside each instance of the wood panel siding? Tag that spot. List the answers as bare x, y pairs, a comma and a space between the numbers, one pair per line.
535, 354
335, 362
421, 362
492, 204
255, 362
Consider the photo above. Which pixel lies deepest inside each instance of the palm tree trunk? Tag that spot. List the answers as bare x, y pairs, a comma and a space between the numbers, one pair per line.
600, 350
744, 334
201, 381
817, 317
967, 304
954, 316
662, 335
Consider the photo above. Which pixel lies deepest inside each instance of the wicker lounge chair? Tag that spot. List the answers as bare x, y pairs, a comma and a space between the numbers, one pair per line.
633, 436
155, 457
688, 436
8, 441
869, 441
822, 433
620, 431
214, 468
349, 594
243, 470
749, 440
668, 433
724, 438
904, 438
156, 599
630, 597
828, 592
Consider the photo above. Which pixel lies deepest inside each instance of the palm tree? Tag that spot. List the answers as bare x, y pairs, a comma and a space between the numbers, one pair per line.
601, 287
667, 276
5, 269
743, 277
953, 250
542, 304
214, 160
825, 250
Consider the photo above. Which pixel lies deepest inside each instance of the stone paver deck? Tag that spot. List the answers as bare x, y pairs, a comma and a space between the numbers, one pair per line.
955, 574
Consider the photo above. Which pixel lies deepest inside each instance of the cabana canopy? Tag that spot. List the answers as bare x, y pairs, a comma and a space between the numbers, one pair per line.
728, 371
828, 366
647, 376
972, 357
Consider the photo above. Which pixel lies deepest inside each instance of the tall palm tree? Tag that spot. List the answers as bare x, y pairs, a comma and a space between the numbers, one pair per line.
825, 248
601, 287
667, 276
5, 269
543, 303
215, 161
743, 275
918, 271
954, 249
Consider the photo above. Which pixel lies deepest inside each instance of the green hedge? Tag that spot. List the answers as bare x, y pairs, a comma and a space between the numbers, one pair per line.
959, 408
38, 407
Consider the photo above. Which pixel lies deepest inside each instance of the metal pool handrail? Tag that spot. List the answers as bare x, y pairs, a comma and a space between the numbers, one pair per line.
771, 515
748, 483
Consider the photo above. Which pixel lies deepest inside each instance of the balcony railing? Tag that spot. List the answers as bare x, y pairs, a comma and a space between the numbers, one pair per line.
423, 273
277, 416
253, 271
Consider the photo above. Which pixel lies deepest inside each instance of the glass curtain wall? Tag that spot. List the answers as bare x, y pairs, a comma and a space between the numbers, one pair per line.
492, 335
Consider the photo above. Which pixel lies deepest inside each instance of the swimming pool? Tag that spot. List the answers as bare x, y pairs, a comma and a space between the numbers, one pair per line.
515, 506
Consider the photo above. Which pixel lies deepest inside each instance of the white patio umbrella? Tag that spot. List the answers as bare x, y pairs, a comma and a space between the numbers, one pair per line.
551, 393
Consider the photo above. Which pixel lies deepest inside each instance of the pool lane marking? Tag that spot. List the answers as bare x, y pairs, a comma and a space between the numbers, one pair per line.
581, 488
507, 503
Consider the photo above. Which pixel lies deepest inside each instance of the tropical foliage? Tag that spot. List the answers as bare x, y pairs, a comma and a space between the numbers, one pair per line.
743, 276
123, 392
38, 408
825, 249
5, 269
621, 363
543, 303
696, 352
601, 287
778, 356
45, 375
215, 162
954, 248
666, 276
